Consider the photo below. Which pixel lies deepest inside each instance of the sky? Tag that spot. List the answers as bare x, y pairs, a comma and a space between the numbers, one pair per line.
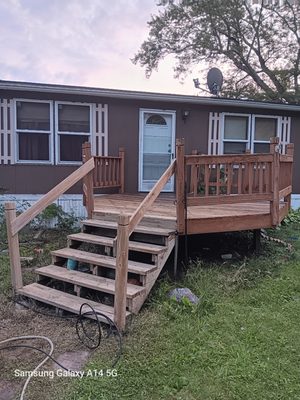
81, 42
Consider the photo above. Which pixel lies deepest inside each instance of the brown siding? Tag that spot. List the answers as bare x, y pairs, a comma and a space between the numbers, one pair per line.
34, 179
123, 131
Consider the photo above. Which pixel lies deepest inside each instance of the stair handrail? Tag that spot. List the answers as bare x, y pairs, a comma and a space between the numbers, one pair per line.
126, 226
15, 223
146, 204
28, 215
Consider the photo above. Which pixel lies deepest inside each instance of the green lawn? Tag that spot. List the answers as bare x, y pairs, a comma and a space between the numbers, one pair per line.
241, 342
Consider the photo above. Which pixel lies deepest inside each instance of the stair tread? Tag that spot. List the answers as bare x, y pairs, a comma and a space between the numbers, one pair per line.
102, 260
149, 215
87, 280
139, 229
64, 300
106, 241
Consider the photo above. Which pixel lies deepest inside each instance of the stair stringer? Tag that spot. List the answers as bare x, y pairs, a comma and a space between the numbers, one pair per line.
150, 279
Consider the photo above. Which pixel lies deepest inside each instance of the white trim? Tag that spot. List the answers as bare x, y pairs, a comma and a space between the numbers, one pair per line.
214, 133
16, 130
70, 203
6, 132
142, 112
57, 132
295, 201
100, 129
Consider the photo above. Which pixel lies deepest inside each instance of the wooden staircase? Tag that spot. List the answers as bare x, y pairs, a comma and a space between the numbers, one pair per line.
93, 280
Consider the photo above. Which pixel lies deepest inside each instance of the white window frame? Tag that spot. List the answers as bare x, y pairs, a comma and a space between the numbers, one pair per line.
254, 116
248, 141
57, 132
50, 133
142, 112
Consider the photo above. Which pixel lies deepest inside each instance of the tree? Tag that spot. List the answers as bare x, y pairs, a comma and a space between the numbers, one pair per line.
258, 45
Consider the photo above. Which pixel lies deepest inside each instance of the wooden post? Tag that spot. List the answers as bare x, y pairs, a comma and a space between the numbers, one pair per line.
180, 183
256, 240
121, 272
194, 176
122, 169
274, 149
13, 247
290, 152
88, 181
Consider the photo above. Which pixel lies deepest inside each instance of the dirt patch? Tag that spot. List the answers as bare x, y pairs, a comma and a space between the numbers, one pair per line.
67, 349
8, 390
73, 360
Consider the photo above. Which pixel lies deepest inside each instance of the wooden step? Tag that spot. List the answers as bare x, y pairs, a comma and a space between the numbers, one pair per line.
87, 280
64, 300
97, 223
106, 241
150, 220
102, 260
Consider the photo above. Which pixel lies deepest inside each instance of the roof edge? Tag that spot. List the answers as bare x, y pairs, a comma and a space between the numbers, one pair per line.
139, 95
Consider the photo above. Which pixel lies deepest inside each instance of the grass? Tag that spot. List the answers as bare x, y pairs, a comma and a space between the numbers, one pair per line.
240, 342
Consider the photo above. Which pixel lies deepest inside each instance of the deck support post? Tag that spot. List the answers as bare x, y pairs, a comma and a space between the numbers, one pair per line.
121, 272
88, 181
13, 247
122, 169
180, 183
274, 149
176, 256
256, 240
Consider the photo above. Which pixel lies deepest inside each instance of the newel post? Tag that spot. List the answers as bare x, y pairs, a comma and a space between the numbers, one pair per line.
180, 183
121, 272
88, 181
274, 149
13, 247
122, 169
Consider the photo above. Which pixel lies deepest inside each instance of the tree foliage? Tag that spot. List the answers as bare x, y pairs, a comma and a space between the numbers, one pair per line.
258, 46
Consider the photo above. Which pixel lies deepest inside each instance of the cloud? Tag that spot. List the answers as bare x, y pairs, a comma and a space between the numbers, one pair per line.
80, 42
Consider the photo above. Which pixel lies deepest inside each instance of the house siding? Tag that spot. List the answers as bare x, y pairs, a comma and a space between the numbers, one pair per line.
123, 131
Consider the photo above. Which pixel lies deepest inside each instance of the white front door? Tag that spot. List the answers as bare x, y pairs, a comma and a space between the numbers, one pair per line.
157, 147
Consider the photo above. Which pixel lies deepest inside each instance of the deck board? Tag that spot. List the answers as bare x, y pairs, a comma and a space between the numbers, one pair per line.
201, 219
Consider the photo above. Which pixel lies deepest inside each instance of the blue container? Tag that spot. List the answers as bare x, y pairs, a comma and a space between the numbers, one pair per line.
72, 264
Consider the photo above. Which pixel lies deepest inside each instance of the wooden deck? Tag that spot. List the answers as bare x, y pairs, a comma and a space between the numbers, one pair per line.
200, 219
127, 239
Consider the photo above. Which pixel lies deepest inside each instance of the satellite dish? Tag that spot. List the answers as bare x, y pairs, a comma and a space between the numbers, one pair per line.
214, 81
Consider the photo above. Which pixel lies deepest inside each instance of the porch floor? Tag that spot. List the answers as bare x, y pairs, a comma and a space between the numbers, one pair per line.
200, 219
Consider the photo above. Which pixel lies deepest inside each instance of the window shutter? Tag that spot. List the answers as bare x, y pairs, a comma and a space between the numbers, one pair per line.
214, 133
100, 130
284, 132
6, 132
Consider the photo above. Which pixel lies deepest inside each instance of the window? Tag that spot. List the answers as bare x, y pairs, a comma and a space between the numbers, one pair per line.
156, 119
34, 131
244, 131
236, 134
263, 129
73, 128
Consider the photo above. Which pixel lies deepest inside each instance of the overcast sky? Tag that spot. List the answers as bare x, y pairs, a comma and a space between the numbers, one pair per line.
80, 42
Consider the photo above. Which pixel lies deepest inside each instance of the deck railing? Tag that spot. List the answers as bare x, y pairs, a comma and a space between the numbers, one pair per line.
226, 179
107, 174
